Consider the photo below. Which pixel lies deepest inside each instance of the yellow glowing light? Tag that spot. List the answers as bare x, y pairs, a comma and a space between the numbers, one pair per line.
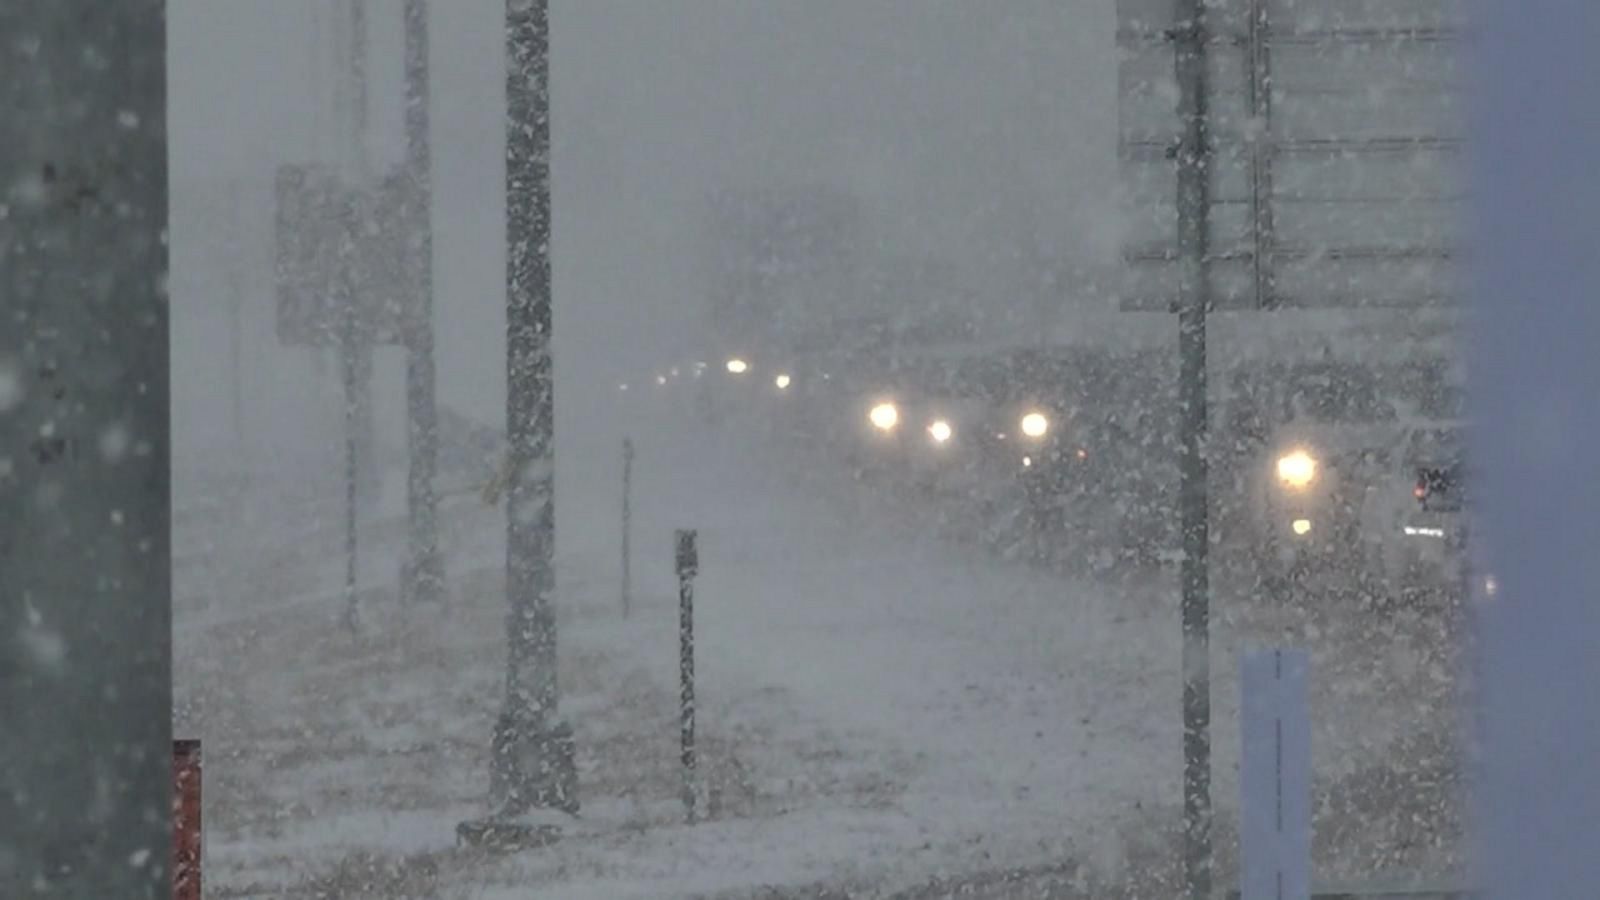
1301, 527
738, 366
941, 431
884, 416
1027, 462
1035, 424
782, 381
1297, 469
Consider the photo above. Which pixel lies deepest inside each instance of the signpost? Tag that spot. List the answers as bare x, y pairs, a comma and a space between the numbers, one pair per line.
382, 277
336, 246
1277, 154
688, 565
627, 526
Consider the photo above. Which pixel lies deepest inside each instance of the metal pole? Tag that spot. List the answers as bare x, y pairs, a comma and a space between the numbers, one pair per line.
423, 578
349, 351
688, 559
1261, 151
85, 513
356, 173
1193, 164
236, 244
354, 377
627, 526
533, 753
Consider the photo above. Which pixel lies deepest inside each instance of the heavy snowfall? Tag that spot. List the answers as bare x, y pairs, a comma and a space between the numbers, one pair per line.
951, 404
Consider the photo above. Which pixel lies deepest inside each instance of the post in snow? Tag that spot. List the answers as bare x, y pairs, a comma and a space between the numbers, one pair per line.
627, 526
688, 564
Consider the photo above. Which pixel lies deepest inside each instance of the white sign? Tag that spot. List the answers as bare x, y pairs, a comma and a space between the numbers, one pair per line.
1275, 777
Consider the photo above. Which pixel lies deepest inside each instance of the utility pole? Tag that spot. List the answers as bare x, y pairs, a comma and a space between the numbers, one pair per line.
86, 779
235, 269
1194, 300
356, 370
533, 749
356, 391
423, 578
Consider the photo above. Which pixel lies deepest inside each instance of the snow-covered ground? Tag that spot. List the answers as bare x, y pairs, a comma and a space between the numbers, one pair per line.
881, 710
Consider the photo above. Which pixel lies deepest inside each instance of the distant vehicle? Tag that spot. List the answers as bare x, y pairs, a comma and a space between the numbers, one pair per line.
1422, 510
1333, 454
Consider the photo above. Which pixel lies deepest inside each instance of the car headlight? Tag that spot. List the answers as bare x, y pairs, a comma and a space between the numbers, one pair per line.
1035, 425
1297, 469
940, 431
782, 381
884, 416
1301, 527
738, 366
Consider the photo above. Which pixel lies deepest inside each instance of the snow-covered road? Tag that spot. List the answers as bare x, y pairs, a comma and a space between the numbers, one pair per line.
879, 707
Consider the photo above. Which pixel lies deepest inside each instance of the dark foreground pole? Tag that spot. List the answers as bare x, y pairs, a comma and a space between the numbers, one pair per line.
85, 516
688, 558
627, 526
1194, 300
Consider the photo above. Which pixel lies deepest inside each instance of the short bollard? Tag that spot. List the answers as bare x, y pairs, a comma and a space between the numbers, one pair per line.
627, 526
688, 565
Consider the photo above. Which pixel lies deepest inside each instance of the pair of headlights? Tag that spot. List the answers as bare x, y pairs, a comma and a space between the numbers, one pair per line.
886, 417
